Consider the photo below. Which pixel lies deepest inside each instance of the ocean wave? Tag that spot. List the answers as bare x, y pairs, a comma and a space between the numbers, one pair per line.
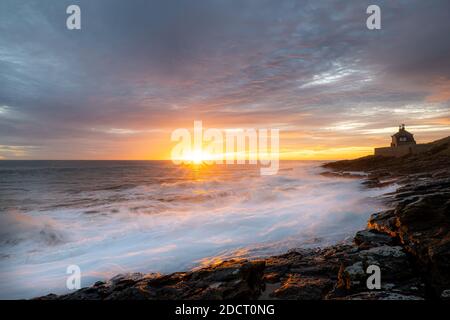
172, 225
16, 227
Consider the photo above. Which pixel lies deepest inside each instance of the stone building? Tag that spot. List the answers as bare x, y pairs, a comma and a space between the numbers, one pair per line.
402, 144
402, 137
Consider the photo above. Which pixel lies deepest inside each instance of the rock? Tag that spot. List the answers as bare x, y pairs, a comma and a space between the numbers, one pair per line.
307, 274
366, 239
385, 252
381, 295
296, 287
384, 222
421, 222
340, 174
235, 279
397, 273
420, 217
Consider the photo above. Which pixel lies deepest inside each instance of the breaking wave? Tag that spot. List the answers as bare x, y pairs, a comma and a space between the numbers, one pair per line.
153, 217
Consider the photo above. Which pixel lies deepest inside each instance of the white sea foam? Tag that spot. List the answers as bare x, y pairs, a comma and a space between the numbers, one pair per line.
176, 225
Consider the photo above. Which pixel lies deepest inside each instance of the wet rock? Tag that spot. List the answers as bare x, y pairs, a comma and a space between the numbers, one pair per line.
307, 274
235, 279
366, 239
396, 272
384, 222
420, 218
296, 287
421, 222
341, 174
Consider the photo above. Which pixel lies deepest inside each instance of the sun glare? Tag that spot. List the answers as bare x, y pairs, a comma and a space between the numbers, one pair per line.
198, 157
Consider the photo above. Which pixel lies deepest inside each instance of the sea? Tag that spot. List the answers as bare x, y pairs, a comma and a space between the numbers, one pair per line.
114, 217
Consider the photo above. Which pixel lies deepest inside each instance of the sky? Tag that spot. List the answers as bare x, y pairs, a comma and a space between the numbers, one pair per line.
137, 70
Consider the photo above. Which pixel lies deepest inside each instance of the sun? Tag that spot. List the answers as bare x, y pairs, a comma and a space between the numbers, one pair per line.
198, 157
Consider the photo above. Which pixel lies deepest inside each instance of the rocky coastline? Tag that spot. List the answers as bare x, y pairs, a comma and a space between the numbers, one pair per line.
410, 243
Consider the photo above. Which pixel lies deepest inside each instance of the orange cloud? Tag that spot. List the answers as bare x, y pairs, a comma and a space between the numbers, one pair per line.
440, 91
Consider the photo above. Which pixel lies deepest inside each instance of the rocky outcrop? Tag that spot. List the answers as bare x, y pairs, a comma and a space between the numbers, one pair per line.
420, 216
235, 279
337, 272
437, 158
421, 223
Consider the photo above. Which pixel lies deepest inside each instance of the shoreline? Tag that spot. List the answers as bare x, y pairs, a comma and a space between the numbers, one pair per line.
410, 243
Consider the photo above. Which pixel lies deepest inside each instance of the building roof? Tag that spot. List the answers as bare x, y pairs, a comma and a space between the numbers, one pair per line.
402, 132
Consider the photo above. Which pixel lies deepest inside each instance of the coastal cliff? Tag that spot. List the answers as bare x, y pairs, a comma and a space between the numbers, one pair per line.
410, 243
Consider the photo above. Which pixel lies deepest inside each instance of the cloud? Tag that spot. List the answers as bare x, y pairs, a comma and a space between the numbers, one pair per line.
14, 152
440, 91
157, 65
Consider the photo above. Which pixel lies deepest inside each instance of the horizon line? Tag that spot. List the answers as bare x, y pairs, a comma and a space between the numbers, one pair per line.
157, 160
